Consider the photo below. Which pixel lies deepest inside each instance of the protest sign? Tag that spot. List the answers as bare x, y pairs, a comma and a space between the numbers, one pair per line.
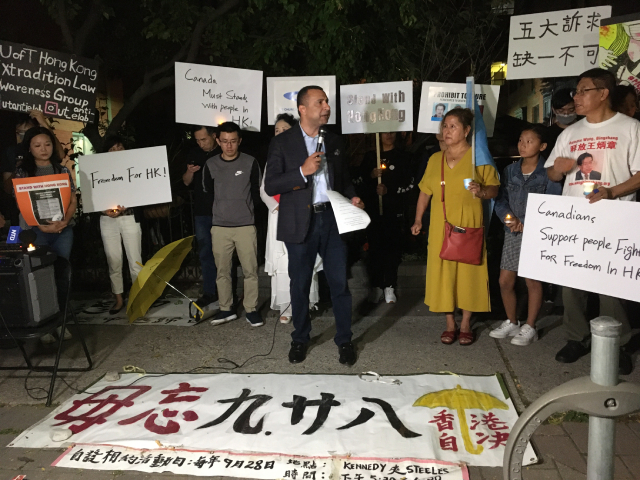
282, 94
56, 83
447, 418
377, 107
210, 95
438, 98
620, 48
247, 465
43, 199
129, 178
554, 44
592, 247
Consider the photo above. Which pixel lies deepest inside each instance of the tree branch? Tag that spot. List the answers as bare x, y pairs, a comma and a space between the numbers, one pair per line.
64, 25
91, 20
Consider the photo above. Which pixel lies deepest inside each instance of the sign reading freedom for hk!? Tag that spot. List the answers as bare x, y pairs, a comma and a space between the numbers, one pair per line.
58, 84
129, 178
554, 44
592, 247
210, 95
282, 94
438, 98
377, 107
447, 418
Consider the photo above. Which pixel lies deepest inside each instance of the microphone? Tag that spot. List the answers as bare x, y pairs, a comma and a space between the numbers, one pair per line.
321, 133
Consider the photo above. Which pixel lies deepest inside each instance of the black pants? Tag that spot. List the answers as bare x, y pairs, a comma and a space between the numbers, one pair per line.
323, 238
385, 235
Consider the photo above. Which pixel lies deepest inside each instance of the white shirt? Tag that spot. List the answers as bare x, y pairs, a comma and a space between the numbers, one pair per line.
614, 145
320, 182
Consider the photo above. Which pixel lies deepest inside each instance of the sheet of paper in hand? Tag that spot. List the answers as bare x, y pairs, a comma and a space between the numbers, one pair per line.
348, 217
43, 199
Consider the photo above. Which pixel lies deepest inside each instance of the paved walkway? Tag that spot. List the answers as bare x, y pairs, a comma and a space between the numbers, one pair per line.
391, 339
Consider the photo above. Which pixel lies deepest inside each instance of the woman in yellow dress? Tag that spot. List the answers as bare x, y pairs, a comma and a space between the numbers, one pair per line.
452, 285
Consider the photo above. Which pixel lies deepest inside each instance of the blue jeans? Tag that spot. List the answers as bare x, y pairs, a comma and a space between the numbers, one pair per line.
205, 251
60, 243
323, 238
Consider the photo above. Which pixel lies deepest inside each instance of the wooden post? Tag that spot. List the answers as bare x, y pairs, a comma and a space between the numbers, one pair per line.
379, 178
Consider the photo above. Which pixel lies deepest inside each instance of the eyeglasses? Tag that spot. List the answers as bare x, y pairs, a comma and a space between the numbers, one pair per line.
575, 93
229, 142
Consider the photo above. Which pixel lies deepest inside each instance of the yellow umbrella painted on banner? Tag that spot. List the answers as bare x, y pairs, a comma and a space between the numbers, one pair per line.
461, 399
155, 276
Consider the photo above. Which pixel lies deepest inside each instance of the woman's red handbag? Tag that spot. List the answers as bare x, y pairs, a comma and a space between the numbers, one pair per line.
460, 244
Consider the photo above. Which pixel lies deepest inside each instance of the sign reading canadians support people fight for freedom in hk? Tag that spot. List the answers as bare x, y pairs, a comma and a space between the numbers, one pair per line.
282, 95
377, 107
592, 247
58, 84
210, 95
554, 44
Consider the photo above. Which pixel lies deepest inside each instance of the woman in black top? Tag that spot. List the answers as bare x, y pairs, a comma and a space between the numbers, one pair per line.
385, 233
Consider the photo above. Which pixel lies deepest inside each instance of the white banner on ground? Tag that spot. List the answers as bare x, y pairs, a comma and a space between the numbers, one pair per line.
282, 95
232, 464
554, 44
438, 98
440, 417
130, 178
377, 107
210, 95
173, 312
592, 247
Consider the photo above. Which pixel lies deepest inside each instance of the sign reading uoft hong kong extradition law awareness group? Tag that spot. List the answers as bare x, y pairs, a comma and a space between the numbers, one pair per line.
58, 84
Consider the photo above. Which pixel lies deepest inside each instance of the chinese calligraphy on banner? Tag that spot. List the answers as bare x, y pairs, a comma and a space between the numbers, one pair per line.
620, 48
439, 417
554, 44
231, 464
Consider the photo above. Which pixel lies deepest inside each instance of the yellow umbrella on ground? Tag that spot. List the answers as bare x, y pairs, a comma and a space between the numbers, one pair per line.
155, 276
461, 399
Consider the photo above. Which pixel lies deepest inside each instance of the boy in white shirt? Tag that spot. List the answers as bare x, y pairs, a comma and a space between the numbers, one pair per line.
612, 140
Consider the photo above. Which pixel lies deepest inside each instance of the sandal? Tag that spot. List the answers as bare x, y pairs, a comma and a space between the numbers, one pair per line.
448, 337
466, 338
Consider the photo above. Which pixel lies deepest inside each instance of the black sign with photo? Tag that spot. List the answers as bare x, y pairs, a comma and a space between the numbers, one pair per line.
59, 84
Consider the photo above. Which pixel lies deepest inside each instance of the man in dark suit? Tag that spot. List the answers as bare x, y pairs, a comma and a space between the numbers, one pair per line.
307, 225
586, 171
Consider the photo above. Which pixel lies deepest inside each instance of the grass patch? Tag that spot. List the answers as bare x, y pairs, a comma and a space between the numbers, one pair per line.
10, 431
570, 416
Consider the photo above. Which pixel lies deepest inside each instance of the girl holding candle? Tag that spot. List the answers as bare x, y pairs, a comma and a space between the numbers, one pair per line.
525, 176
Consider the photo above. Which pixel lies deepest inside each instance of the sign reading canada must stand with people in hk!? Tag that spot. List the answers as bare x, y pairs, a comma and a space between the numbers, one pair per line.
211, 95
58, 84
592, 247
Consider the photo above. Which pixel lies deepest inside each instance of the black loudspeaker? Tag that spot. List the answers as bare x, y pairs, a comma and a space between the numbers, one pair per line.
28, 293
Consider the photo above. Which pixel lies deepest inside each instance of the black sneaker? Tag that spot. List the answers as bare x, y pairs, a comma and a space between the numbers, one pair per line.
223, 317
206, 300
255, 319
571, 352
347, 353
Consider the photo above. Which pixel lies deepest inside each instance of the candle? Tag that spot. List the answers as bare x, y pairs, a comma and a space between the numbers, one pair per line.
508, 219
30, 248
588, 187
383, 166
